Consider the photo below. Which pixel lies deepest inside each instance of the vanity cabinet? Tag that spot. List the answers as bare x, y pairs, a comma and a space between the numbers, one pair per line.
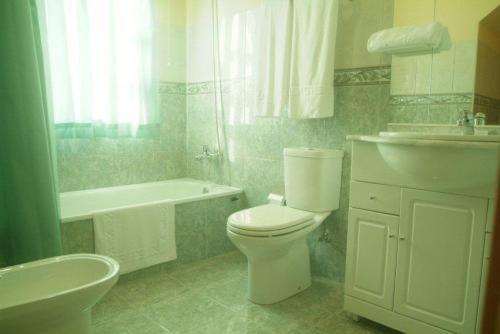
440, 258
371, 257
415, 257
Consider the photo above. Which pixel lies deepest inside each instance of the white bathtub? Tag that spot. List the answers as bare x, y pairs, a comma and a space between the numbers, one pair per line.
80, 205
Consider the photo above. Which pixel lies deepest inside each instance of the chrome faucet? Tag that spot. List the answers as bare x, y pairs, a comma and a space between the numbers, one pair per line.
206, 154
469, 120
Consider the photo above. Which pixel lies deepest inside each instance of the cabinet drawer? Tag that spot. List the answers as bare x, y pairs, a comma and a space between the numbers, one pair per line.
375, 197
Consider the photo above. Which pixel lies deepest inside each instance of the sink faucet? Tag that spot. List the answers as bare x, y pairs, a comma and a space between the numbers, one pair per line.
469, 120
206, 154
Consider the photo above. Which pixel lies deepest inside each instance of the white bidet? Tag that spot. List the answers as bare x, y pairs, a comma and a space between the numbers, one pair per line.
54, 295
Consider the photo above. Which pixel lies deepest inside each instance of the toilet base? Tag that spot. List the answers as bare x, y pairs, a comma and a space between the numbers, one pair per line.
277, 277
74, 323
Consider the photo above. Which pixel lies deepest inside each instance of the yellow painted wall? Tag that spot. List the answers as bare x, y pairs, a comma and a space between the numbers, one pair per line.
411, 12
170, 17
460, 16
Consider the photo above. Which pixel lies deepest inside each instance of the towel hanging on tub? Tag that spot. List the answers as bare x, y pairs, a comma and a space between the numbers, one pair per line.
137, 237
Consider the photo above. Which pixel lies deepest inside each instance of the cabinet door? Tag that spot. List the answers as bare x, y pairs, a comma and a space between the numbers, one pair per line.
440, 246
371, 257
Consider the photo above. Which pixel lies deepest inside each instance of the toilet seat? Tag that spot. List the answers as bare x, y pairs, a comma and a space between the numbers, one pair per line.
269, 220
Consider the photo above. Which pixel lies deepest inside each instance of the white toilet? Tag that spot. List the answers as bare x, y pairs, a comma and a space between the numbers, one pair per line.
55, 295
273, 237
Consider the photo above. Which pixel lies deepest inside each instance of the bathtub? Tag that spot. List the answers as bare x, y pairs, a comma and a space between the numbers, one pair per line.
201, 212
80, 205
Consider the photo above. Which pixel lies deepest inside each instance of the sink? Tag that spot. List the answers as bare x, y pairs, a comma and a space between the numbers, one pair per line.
442, 162
440, 136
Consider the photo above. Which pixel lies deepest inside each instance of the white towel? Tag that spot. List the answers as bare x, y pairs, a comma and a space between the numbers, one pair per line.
273, 61
314, 34
410, 40
137, 237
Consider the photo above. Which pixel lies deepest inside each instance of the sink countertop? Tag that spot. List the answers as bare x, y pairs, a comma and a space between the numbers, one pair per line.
441, 136
429, 140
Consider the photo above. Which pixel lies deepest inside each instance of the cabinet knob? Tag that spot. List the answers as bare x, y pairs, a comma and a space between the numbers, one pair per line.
402, 237
391, 235
371, 196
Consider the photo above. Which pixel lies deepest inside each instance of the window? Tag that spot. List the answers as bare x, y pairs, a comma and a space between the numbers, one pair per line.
99, 57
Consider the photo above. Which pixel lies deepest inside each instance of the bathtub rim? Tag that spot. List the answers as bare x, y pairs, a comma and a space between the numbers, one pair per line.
228, 191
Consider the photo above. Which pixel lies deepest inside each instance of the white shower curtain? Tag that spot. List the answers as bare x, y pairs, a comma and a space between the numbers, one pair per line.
100, 64
279, 54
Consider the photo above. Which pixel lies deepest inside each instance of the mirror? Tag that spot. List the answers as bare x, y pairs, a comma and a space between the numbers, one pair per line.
487, 85
441, 86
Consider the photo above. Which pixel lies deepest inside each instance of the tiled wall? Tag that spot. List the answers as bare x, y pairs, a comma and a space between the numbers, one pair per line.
200, 229
253, 148
104, 162
434, 109
433, 83
254, 154
446, 72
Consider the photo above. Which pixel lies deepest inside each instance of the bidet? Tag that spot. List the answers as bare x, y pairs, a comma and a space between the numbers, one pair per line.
54, 295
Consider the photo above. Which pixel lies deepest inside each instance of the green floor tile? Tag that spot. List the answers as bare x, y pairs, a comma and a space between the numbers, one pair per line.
210, 296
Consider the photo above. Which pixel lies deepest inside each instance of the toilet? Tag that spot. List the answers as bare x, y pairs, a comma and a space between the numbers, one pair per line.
55, 295
273, 236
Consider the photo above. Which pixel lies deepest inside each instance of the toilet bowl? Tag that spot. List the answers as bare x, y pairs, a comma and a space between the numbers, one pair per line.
278, 256
54, 295
273, 236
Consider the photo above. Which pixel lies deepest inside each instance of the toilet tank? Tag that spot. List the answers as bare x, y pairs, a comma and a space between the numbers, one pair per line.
312, 178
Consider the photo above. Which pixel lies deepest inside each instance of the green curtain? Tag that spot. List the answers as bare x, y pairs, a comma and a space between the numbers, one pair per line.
29, 226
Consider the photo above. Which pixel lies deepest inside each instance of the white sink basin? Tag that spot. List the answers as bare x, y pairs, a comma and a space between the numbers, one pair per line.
439, 136
452, 163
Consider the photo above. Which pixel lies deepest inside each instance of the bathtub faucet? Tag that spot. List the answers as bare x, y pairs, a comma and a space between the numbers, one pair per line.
206, 154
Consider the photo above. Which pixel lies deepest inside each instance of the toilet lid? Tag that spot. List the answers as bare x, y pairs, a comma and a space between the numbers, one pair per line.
269, 217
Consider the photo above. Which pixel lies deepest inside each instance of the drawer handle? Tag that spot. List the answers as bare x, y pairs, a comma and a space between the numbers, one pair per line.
402, 237
371, 196
391, 236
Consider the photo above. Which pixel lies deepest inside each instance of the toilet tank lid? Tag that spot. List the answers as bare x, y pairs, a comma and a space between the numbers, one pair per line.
308, 152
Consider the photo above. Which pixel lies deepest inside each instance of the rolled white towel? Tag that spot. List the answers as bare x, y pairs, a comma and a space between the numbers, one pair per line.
409, 40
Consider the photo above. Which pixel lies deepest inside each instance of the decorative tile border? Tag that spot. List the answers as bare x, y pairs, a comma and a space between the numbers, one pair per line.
170, 87
344, 77
430, 99
363, 76
203, 87
208, 87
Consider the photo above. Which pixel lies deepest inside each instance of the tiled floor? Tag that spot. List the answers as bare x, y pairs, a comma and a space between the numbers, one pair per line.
210, 297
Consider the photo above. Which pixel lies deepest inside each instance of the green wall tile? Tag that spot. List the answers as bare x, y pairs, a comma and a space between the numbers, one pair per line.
104, 162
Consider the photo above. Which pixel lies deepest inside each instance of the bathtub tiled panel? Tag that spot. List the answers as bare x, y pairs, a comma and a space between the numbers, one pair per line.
78, 237
254, 152
104, 162
200, 229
